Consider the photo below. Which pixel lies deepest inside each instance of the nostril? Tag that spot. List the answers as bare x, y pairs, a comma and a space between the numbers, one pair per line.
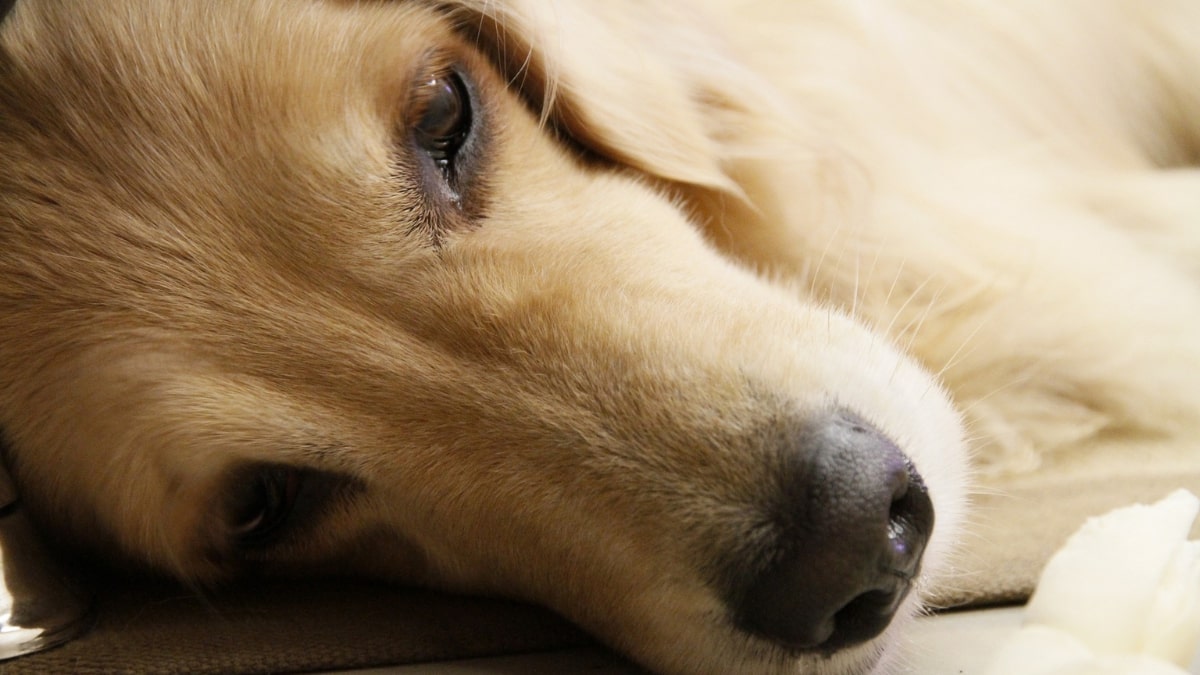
852, 525
864, 617
910, 522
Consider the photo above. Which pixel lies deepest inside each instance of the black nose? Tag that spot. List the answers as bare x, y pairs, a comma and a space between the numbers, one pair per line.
851, 527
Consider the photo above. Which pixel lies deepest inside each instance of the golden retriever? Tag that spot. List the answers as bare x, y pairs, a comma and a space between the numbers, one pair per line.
675, 317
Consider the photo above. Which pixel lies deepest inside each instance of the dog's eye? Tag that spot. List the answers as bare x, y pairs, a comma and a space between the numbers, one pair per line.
446, 118
264, 504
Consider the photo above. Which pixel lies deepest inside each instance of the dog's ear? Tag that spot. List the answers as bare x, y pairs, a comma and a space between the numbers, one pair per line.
636, 83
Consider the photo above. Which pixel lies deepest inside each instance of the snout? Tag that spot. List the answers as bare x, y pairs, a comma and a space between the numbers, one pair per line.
850, 527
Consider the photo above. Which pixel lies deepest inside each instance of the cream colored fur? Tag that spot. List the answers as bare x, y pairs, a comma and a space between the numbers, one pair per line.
975, 224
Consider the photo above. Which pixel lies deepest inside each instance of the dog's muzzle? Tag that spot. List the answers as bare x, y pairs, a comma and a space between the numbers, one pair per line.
851, 527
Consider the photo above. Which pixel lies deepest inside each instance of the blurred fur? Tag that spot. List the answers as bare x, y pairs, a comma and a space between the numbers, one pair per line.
692, 224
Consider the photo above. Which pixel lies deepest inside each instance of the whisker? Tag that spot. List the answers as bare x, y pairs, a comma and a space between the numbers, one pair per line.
854, 291
968, 340
895, 279
912, 331
866, 285
1026, 376
816, 271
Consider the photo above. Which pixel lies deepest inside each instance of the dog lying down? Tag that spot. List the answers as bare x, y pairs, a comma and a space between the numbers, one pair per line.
679, 320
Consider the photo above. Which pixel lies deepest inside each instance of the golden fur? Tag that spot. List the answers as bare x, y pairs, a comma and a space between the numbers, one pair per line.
216, 250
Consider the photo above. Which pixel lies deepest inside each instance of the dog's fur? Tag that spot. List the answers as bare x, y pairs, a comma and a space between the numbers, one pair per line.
566, 378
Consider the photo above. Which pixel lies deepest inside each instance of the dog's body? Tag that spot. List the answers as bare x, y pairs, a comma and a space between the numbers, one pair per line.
273, 301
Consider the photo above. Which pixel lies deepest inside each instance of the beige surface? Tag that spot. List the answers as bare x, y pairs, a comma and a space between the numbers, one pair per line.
1017, 523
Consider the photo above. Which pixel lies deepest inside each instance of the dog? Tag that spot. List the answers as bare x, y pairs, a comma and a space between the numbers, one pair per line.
694, 322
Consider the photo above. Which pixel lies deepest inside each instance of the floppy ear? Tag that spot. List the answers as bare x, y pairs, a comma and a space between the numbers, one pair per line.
635, 82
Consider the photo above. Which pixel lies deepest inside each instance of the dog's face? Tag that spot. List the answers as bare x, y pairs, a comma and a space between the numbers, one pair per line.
297, 287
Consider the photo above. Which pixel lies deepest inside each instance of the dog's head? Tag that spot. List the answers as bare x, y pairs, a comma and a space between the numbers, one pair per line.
417, 291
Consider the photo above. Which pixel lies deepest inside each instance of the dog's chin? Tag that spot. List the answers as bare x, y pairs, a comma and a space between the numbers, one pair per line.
738, 652
860, 660
750, 654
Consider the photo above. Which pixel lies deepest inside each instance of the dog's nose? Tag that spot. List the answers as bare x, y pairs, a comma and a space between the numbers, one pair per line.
855, 518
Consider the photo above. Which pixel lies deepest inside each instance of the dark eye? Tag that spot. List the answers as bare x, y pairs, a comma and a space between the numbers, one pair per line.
263, 504
445, 120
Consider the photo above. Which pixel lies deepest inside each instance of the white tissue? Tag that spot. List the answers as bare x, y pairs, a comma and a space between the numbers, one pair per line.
1121, 596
